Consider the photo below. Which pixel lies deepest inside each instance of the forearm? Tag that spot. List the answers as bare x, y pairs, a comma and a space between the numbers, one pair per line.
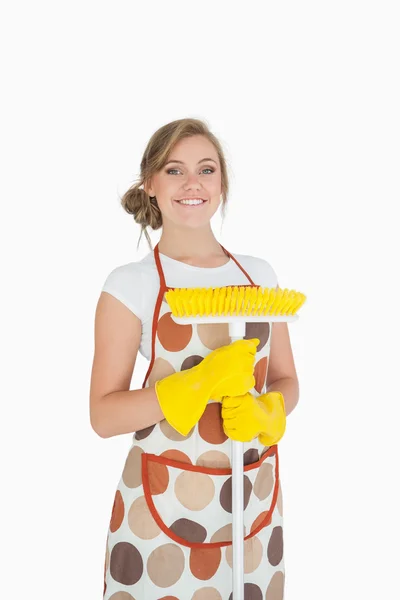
289, 388
126, 411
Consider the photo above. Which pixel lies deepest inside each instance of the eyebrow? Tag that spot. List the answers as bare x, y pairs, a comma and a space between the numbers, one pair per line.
182, 163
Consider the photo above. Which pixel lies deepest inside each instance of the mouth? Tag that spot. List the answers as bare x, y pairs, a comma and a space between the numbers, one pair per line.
191, 202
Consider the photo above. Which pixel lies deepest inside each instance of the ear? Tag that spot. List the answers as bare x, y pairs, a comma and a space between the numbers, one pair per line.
147, 188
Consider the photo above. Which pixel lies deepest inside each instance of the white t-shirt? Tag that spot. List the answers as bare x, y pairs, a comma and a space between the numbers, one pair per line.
136, 284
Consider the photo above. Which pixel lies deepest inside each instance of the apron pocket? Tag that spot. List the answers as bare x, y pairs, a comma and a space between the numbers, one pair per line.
192, 505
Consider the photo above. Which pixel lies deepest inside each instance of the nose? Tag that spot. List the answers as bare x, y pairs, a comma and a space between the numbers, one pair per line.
192, 181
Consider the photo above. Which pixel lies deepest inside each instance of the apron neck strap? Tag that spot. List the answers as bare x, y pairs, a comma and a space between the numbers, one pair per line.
161, 272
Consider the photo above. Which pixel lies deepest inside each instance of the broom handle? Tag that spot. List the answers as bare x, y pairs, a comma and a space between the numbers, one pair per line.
237, 331
237, 528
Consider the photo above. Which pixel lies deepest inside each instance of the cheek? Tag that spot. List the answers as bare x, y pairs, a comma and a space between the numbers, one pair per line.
171, 187
167, 190
215, 184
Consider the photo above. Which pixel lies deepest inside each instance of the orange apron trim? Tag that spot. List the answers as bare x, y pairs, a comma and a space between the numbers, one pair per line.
147, 457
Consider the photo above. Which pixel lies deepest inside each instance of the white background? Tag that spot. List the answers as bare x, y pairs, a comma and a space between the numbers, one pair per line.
304, 97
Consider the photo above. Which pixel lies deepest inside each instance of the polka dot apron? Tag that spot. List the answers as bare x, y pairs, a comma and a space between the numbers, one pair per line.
170, 533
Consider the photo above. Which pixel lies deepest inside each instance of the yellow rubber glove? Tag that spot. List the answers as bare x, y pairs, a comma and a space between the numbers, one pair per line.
229, 370
246, 417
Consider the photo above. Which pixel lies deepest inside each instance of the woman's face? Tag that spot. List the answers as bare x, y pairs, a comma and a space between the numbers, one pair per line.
193, 177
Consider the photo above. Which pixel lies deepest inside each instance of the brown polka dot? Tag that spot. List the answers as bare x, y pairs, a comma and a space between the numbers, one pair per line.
121, 596
251, 592
204, 562
279, 500
207, 593
189, 530
194, 490
259, 520
141, 521
260, 331
161, 368
253, 551
275, 546
126, 564
191, 361
215, 459
118, 512
224, 534
172, 434
210, 424
276, 587
260, 373
250, 456
165, 565
225, 496
132, 473
264, 482
169, 598
173, 336
144, 433
158, 477
214, 335
177, 455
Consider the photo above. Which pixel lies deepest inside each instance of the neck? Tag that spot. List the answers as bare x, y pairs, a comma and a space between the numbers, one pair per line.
194, 245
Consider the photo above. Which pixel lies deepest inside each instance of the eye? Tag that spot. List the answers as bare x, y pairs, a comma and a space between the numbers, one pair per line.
205, 169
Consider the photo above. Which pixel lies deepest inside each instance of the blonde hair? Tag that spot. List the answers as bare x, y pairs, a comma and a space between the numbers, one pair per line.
136, 201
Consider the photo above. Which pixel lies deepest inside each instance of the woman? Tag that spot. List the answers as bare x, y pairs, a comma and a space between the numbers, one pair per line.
171, 525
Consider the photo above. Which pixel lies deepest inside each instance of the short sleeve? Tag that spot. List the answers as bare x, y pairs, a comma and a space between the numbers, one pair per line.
125, 284
268, 275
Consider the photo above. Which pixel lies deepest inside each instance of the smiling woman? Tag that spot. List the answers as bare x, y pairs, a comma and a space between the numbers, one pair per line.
171, 521
183, 160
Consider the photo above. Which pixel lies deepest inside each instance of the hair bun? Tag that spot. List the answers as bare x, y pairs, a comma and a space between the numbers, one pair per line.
144, 209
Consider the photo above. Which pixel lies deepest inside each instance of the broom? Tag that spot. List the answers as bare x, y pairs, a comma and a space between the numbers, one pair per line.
235, 305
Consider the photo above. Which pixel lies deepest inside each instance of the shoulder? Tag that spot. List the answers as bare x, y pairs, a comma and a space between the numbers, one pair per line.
129, 283
128, 274
259, 269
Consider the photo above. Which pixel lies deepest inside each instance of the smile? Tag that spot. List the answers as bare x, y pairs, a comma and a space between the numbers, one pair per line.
191, 202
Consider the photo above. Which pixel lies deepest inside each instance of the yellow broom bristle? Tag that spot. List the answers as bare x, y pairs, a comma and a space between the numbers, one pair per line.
234, 300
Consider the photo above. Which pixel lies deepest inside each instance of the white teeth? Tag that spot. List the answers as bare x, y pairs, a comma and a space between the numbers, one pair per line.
194, 201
